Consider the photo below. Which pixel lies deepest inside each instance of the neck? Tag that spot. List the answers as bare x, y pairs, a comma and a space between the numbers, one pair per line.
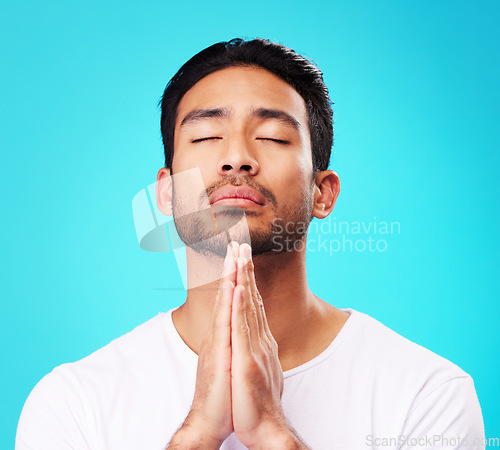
295, 315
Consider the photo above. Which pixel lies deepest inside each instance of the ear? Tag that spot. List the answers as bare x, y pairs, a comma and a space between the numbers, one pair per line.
326, 192
164, 191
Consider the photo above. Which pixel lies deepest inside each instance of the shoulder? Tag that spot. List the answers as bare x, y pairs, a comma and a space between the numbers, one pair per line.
396, 364
54, 413
135, 349
393, 352
58, 411
434, 394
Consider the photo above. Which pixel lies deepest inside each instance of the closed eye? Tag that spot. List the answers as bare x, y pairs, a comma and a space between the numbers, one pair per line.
278, 141
210, 138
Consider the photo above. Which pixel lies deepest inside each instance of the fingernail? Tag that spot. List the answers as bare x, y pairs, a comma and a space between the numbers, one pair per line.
234, 248
241, 262
246, 251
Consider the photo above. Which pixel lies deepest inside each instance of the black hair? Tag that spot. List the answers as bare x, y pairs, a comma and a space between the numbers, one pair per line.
304, 76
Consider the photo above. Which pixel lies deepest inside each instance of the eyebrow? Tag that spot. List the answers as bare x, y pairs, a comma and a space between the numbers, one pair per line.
225, 113
282, 116
207, 113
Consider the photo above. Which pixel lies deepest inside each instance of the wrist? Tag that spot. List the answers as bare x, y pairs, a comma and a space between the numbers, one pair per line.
188, 437
277, 436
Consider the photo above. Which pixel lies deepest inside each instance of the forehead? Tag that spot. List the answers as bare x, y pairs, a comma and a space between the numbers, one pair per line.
243, 89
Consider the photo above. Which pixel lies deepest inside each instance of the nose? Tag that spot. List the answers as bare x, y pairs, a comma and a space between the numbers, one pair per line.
238, 161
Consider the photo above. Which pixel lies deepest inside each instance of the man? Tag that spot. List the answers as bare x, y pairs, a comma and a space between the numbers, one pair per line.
252, 359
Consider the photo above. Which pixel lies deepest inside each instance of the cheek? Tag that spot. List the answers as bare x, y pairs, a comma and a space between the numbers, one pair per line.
294, 186
298, 171
198, 180
185, 159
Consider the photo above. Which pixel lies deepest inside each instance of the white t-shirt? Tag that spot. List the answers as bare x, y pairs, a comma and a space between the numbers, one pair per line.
370, 388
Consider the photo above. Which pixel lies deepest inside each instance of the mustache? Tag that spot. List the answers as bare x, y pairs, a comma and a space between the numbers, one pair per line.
245, 180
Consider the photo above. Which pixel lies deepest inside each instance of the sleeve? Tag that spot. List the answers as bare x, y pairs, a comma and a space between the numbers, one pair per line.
54, 416
449, 417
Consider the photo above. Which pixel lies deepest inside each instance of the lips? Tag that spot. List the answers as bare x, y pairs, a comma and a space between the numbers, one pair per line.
237, 192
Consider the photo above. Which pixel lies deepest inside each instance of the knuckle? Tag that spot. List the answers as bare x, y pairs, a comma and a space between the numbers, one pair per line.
266, 347
253, 310
269, 343
253, 368
272, 344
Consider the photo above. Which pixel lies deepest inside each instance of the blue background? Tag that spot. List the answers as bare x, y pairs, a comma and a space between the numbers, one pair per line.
415, 86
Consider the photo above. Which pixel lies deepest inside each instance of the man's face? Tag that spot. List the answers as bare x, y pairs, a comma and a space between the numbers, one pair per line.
247, 132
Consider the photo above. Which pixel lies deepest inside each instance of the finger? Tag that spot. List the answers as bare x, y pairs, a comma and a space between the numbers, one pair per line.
267, 330
229, 270
246, 251
219, 291
240, 332
221, 317
251, 313
234, 248
222, 323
